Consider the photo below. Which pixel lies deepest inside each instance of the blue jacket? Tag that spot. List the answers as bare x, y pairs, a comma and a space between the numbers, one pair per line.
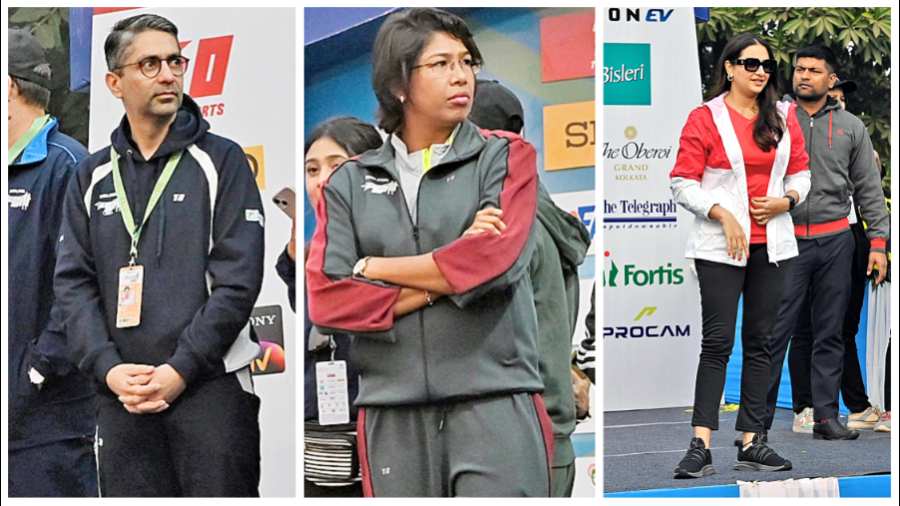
64, 406
201, 249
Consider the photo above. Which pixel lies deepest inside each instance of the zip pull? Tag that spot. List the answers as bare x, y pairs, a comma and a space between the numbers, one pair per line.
416, 232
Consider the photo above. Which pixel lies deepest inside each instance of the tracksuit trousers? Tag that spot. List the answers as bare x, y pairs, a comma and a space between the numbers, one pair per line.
498, 446
721, 287
819, 281
205, 445
853, 389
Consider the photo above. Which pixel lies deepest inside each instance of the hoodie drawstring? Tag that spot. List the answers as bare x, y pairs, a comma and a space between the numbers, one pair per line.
830, 123
161, 232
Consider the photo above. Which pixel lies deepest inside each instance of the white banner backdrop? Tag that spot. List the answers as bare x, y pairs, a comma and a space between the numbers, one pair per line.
651, 323
241, 73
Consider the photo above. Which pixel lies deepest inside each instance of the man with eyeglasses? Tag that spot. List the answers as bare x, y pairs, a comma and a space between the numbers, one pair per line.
160, 263
817, 292
51, 404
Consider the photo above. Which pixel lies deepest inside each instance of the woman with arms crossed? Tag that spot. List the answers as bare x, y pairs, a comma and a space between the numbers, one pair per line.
421, 252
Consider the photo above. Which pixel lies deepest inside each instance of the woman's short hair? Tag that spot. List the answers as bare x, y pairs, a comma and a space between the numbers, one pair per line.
397, 48
351, 134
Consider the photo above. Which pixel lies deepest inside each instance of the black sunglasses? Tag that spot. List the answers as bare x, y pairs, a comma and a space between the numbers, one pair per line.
753, 64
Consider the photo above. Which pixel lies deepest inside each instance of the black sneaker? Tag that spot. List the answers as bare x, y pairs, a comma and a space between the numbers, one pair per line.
697, 462
759, 457
739, 440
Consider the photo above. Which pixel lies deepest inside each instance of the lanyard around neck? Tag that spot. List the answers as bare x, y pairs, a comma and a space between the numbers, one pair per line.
36, 126
125, 209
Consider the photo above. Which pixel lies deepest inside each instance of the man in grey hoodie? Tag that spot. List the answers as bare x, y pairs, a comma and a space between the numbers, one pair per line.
817, 293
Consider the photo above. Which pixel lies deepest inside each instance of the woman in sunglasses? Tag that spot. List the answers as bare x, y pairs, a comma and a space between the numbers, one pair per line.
421, 252
741, 166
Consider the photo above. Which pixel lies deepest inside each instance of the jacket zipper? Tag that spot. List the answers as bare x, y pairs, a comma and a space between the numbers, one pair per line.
415, 230
809, 155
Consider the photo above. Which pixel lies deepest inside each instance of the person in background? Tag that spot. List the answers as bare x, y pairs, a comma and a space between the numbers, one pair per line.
51, 404
841, 164
853, 390
328, 466
741, 166
562, 243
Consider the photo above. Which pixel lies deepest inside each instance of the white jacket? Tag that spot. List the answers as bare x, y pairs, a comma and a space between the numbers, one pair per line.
728, 188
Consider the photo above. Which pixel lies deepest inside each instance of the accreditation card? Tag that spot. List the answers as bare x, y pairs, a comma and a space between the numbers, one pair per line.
332, 393
131, 287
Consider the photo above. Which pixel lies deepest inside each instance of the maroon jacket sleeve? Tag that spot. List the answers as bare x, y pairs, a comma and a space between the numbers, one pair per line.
510, 184
339, 302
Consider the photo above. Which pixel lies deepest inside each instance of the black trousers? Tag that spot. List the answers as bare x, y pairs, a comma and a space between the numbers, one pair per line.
818, 281
205, 445
853, 389
721, 287
60, 469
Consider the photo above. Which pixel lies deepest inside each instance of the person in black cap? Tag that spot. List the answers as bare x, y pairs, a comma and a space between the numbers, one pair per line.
841, 89
562, 243
51, 405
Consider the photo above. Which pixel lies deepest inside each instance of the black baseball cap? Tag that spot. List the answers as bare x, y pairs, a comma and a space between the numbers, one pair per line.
847, 85
496, 107
27, 58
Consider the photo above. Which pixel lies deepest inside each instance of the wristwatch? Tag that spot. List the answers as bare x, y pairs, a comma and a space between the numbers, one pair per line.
360, 268
791, 202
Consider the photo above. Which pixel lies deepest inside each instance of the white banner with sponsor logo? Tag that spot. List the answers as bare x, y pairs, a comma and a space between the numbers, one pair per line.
241, 73
651, 320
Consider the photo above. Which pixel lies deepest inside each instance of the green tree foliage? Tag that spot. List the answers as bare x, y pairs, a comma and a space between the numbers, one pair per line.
860, 37
51, 28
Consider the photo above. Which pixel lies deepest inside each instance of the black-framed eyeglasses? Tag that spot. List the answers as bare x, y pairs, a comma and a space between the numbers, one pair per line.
753, 64
151, 65
442, 68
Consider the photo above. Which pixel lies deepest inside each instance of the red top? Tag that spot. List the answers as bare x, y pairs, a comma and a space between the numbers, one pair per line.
700, 146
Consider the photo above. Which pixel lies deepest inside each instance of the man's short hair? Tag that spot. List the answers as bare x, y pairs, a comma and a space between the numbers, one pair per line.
119, 39
399, 43
33, 94
818, 52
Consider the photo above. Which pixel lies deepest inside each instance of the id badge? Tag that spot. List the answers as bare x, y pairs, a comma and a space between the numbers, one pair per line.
332, 393
131, 287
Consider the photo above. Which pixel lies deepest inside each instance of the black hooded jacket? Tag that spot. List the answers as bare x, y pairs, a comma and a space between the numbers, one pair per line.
201, 250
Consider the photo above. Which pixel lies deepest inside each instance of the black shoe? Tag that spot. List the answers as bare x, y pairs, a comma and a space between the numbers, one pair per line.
832, 428
697, 462
763, 438
759, 457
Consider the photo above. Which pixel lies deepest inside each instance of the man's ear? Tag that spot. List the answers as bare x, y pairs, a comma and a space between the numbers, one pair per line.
832, 80
114, 83
12, 90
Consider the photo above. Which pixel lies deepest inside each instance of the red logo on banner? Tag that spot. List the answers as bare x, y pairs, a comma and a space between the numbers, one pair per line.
567, 46
210, 66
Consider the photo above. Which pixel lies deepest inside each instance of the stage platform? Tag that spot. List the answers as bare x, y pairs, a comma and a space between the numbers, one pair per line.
641, 448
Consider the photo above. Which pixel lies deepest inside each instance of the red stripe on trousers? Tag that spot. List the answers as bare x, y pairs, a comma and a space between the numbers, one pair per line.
363, 453
546, 433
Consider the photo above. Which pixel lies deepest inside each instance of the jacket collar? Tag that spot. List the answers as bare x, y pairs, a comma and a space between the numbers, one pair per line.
36, 150
188, 127
467, 143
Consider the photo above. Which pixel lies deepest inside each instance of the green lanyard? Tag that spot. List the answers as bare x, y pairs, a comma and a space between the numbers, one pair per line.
36, 126
127, 218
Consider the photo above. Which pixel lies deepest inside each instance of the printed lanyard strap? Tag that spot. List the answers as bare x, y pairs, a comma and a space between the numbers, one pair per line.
36, 126
127, 218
